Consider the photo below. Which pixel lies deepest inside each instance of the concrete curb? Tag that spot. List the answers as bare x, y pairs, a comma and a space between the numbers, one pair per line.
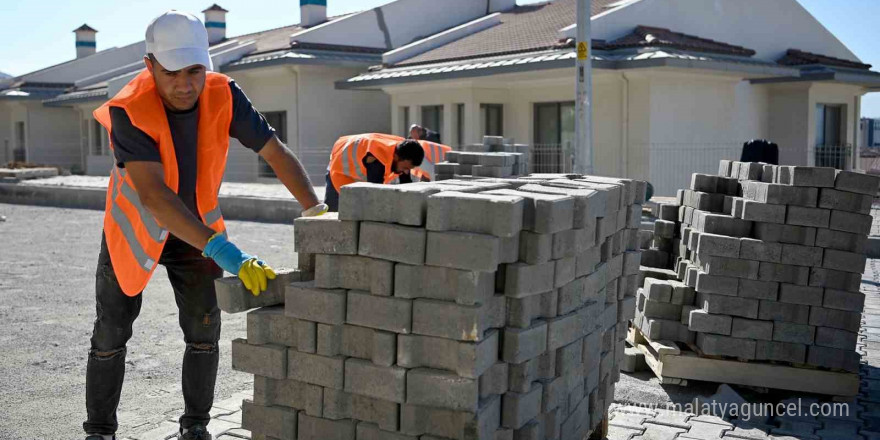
234, 208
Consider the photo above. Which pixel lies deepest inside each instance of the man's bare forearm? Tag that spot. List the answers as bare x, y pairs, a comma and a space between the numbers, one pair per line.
290, 172
173, 214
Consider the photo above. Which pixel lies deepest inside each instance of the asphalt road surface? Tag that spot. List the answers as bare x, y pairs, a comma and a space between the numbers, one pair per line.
47, 308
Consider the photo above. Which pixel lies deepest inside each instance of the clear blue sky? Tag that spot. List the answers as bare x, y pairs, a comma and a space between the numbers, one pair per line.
37, 34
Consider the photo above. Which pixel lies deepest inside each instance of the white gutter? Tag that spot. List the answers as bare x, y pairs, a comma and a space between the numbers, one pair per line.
439, 39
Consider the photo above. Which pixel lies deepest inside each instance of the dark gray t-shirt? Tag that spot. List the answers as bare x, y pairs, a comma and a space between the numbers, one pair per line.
131, 144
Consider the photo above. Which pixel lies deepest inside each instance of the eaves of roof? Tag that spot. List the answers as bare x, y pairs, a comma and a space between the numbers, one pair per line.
561, 59
822, 73
303, 57
71, 98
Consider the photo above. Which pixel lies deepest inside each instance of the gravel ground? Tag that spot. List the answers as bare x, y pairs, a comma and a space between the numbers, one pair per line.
47, 265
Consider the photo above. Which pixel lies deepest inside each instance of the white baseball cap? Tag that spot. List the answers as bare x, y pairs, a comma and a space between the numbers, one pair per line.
178, 40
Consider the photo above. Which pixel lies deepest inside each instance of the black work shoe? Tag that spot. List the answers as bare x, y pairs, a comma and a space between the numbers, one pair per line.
196, 433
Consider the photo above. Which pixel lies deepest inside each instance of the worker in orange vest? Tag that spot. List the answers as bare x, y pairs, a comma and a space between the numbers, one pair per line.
169, 129
370, 157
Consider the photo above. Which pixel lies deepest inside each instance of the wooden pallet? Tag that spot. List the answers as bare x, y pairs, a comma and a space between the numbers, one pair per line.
601, 431
675, 364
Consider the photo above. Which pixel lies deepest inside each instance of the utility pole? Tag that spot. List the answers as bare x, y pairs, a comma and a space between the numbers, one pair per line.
583, 150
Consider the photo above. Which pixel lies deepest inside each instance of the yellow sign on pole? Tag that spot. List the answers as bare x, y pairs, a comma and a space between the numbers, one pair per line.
582, 50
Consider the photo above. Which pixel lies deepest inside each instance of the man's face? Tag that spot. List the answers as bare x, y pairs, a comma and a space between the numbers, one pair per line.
415, 134
179, 89
402, 166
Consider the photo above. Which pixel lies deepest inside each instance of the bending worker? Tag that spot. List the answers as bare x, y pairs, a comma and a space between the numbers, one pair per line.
169, 129
378, 158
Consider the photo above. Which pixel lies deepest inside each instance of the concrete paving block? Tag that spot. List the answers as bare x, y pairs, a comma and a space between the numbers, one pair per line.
761, 212
455, 321
806, 295
844, 241
543, 213
494, 380
780, 351
798, 255
379, 312
836, 338
655, 258
336, 405
517, 409
306, 336
752, 249
268, 325
357, 341
844, 261
329, 339
631, 263
730, 267
686, 313
723, 225
354, 272
587, 261
466, 359
716, 345
316, 369
315, 428
845, 201
325, 234
835, 279
384, 348
807, 176
843, 300
289, 393
751, 329
758, 289
571, 242
441, 389
839, 319
850, 222
859, 183
658, 290
703, 322
370, 431
535, 248
847, 360
784, 273
718, 285
573, 295
588, 203
522, 279
718, 245
232, 297
305, 301
521, 376
779, 311
498, 215
446, 423
664, 229
404, 204
566, 329
704, 182
814, 217
724, 168
792, 234
441, 283
578, 422
522, 311
402, 244
463, 250
661, 310
273, 421
261, 360
367, 379
728, 305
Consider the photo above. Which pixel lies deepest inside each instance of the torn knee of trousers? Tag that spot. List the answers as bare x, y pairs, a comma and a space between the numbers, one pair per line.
202, 347
106, 355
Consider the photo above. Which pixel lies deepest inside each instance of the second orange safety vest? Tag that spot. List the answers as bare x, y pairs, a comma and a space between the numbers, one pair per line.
346, 158
135, 238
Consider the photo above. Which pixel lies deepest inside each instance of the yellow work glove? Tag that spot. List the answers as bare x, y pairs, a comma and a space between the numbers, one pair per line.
314, 211
254, 274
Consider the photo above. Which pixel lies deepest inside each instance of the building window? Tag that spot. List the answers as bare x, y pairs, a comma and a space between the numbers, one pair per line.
432, 117
492, 116
554, 137
100, 146
19, 154
459, 125
406, 120
831, 149
278, 121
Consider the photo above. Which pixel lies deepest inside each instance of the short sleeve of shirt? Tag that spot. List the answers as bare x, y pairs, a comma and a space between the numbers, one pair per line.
130, 144
248, 125
375, 170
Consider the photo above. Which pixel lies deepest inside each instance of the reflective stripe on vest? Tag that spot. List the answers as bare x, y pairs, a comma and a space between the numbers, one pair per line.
157, 233
350, 154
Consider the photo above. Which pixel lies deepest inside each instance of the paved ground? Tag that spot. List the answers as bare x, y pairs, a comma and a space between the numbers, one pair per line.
47, 266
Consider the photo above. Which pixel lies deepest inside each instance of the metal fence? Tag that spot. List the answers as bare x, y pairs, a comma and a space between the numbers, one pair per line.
552, 158
834, 156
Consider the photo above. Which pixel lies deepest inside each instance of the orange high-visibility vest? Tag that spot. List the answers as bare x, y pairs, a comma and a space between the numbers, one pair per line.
135, 238
347, 157
434, 153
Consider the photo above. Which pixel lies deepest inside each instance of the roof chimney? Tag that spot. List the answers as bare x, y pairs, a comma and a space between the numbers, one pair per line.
215, 23
85, 41
312, 12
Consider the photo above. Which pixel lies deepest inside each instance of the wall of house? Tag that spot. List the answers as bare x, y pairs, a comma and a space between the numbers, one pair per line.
6, 141
790, 121
768, 27
317, 114
836, 94
52, 135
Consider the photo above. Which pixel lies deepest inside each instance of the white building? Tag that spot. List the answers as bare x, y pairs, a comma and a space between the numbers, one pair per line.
678, 84
288, 73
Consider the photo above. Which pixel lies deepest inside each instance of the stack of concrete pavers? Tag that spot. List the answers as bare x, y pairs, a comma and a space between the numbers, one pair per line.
495, 157
777, 270
660, 244
481, 309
